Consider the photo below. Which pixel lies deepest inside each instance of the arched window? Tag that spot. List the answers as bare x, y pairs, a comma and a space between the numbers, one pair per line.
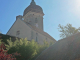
36, 22
36, 37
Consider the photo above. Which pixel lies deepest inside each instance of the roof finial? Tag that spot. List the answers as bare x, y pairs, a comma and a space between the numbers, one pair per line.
33, 2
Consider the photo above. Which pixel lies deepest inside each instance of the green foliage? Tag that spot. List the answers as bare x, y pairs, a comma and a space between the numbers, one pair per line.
5, 37
67, 30
28, 50
25, 48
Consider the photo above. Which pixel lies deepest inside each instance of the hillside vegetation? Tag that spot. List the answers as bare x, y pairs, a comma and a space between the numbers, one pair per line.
28, 50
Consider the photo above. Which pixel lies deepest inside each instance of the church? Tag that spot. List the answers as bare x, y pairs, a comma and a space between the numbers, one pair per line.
30, 25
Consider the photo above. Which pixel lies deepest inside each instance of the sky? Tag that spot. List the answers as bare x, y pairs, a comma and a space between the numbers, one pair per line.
56, 12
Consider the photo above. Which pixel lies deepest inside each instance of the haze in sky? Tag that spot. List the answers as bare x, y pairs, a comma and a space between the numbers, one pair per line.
56, 12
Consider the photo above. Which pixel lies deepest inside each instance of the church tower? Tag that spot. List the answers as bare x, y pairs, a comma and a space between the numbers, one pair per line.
30, 25
33, 15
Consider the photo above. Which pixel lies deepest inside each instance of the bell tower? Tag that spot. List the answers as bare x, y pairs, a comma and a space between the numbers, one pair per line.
33, 15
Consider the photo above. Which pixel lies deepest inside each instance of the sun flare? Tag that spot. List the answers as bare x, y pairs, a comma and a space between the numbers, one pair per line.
74, 6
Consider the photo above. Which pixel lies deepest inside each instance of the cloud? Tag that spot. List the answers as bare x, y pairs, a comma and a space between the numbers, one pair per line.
74, 6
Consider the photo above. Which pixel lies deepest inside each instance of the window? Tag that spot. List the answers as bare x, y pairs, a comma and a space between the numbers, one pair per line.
31, 34
36, 25
36, 21
29, 21
36, 37
18, 32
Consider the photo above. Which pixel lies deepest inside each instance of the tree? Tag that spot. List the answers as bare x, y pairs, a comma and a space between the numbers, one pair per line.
67, 30
28, 50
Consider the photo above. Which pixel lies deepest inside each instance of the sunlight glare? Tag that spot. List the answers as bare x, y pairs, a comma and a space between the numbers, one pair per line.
74, 6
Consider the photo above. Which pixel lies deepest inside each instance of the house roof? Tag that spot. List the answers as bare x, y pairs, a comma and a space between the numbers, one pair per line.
64, 49
36, 29
40, 31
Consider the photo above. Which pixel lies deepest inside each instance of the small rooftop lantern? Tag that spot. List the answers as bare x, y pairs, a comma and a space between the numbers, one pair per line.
33, 2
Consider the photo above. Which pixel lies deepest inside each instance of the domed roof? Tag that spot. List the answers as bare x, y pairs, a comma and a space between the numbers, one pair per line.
34, 8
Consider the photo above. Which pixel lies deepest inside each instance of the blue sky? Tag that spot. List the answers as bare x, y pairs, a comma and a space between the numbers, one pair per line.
56, 12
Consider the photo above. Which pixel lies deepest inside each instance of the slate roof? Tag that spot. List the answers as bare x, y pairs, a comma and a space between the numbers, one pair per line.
33, 8
65, 49
36, 29
41, 31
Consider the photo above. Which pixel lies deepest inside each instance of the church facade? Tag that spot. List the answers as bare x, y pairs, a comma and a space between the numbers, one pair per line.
30, 25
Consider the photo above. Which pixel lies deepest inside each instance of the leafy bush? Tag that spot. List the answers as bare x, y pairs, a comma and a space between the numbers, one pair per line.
3, 54
27, 49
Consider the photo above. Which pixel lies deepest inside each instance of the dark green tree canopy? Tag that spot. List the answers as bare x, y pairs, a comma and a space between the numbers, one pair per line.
67, 30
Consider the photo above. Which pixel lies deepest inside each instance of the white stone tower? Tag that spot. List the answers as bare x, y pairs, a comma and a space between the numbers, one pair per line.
33, 15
